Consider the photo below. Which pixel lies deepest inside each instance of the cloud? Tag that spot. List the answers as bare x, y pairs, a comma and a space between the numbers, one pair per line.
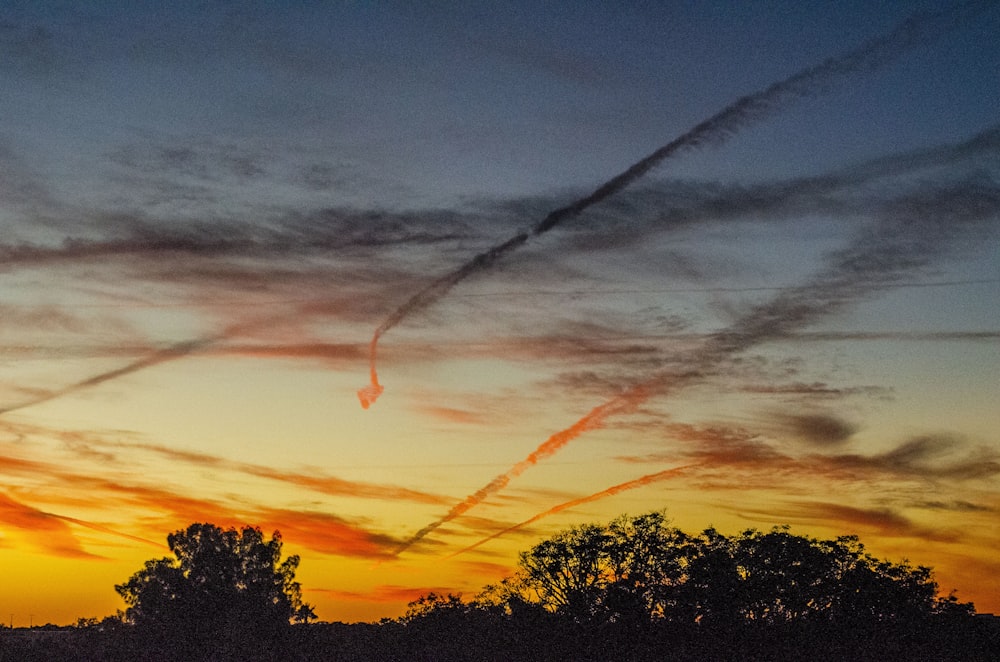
325, 533
316, 233
176, 507
956, 506
100, 446
315, 479
901, 336
715, 130
731, 457
455, 415
321, 532
288, 262
46, 531
169, 353
821, 389
630, 220
721, 448
910, 231
884, 521
819, 429
19, 466
160, 506
926, 456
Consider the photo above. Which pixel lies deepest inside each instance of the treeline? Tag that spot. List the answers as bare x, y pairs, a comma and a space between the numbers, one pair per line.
633, 589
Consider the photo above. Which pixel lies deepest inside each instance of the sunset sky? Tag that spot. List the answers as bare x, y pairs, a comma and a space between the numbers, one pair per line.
209, 208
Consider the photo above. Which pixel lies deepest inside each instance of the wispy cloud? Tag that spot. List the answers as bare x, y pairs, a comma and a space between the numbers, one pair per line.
958, 506
315, 479
49, 532
730, 453
324, 532
884, 521
713, 131
163, 506
253, 259
820, 429
720, 448
926, 456
910, 231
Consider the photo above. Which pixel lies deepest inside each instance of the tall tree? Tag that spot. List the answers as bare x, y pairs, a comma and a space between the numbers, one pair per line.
225, 590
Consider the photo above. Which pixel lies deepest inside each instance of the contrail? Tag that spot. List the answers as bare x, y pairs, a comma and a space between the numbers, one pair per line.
611, 491
593, 420
170, 353
911, 230
105, 529
793, 195
740, 114
624, 403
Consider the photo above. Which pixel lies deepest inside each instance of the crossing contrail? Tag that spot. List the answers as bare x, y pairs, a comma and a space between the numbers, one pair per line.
716, 130
909, 232
572, 503
782, 197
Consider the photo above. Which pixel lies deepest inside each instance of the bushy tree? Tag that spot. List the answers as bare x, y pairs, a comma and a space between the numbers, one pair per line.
640, 569
225, 590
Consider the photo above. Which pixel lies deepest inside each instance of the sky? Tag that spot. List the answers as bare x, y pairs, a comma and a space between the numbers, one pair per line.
735, 261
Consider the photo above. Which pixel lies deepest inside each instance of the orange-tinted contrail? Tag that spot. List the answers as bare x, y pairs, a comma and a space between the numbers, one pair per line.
611, 491
628, 401
910, 231
105, 529
716, 130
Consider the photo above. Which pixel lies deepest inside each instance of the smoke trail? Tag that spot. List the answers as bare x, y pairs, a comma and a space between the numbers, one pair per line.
105, 529
593, 420
809, 193
370, 393
911, 230
172, 352
611, 491
740, 114
795, 195
626, 402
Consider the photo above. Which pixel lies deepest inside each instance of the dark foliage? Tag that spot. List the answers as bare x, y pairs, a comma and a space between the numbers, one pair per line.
227, 594
639, 570
634, 589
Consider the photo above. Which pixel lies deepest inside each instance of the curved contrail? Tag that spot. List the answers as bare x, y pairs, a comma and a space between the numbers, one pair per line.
743, 112
910, 232
772, 197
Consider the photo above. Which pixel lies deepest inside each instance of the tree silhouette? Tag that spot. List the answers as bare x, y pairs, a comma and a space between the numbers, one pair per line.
640, 569
225, 593
634, 589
